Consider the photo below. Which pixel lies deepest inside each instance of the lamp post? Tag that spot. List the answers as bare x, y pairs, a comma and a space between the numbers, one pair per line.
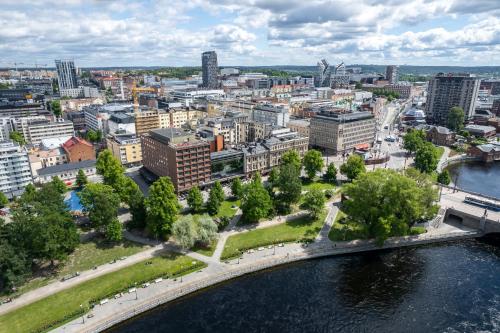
135, 289
274, 247
83, 314
182, 267
239, 255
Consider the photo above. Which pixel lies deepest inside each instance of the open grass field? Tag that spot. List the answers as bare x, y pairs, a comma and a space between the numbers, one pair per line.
318, 184
300, 229
206, 251
63, 306
91, 253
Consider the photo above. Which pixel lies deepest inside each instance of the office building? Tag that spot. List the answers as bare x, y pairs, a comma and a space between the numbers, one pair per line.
273, 114
391, 74
342, 132
209, 69
66, 75
449, 90
324, 73
15, 172
177, 154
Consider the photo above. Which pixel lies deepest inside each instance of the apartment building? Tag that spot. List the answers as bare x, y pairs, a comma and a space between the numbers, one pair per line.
272, 114
300, 126
15, 171
448, 90
126, 148
38, 130
342, 132
146, 121
177, 154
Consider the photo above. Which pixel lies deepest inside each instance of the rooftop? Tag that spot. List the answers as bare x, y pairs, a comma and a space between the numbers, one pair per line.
56, 169
343, 117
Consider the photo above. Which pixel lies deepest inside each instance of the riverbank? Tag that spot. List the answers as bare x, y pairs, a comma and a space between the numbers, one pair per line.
117, 311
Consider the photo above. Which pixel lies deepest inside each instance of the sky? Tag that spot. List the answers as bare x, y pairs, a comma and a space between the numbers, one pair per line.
250, 32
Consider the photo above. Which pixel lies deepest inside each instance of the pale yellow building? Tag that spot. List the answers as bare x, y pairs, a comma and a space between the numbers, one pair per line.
125, 147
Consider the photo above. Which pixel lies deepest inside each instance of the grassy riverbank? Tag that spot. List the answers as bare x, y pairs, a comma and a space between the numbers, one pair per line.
63, 306
303, 228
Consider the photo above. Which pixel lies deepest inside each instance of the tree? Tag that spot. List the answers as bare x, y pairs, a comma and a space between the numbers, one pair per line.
425, 158
94, 136
162, 207
289, 185
413, 140
59, 185
137, 210
314, 202
213, 202
81, 179
456, 118
292, 157
114, 231
331, 173
195, 200
237, 188
3, 200
358, 85
14, 265
110, 168
219, 192
207, 230
101, 203
55, 106
353, 167
444, 177
184, 231
389, 203
313, 163
17, 137
273, 177
256, 202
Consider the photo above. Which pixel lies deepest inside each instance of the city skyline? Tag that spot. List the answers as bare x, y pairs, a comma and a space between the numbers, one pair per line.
174, 33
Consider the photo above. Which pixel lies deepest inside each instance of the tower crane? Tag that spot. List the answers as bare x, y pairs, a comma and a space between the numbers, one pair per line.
135, 94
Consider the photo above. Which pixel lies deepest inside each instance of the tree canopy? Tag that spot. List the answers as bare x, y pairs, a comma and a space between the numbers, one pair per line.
55, 106
444, 177
389, 203
426, 158
353, 167
81, 179
314, 202
17, 137
237, 188
292, 157
456, 119
162, 207
313, 163
195, 200
331, 174
256, 202
289, 185
413, 140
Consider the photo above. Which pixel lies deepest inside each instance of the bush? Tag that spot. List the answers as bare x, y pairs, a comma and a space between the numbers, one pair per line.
417, 230
329, 194
222, 223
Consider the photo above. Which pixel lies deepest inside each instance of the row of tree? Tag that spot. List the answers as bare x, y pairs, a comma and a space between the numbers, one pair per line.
426, 154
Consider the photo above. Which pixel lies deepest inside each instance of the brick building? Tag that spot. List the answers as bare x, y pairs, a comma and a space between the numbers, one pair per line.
177, 154
77, 150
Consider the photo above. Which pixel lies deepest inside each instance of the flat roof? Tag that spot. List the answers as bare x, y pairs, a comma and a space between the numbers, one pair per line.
66, 167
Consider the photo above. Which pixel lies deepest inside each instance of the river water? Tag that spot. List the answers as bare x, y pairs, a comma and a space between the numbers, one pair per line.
477, 177
449, 287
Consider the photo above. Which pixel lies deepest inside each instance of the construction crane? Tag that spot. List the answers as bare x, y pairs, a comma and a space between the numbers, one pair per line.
135, 94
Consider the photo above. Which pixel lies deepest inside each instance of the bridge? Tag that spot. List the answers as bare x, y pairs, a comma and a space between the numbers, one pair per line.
468, 215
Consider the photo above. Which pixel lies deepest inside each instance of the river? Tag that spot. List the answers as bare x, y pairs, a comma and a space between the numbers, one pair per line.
450, 287
477, 177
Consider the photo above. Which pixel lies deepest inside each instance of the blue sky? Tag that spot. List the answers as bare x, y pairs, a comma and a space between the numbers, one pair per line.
250, 32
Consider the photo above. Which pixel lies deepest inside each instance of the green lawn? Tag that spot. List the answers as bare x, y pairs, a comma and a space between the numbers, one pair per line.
206, 251
226, 208
87, 255
439, 152
347, 230
63, 306
300, 229
318, 184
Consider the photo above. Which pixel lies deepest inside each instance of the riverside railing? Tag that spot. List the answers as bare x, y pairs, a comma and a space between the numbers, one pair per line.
312, 251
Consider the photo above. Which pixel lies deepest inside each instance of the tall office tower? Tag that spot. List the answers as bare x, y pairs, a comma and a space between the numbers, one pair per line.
324, 74
66, 74
448, 90
209, 69
391, 74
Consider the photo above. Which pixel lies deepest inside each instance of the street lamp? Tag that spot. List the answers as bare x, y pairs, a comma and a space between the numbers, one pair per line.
274, 247
83, 314
239, 255
135, 289
182, 267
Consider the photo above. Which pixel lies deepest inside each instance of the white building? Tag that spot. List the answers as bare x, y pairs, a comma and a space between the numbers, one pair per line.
15, 171
272, 114
43, 130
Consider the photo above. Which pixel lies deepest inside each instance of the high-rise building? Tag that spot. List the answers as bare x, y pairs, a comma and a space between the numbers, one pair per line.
448, 90
209, 69
324, 74
391, 74
14, 169
178, 155
66, 74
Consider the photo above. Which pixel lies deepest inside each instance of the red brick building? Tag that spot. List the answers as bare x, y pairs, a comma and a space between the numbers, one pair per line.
77, 150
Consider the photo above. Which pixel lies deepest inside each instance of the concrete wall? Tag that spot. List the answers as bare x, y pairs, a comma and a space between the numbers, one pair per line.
473, 221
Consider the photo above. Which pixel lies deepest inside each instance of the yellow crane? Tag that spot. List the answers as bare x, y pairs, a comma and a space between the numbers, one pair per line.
135, 94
